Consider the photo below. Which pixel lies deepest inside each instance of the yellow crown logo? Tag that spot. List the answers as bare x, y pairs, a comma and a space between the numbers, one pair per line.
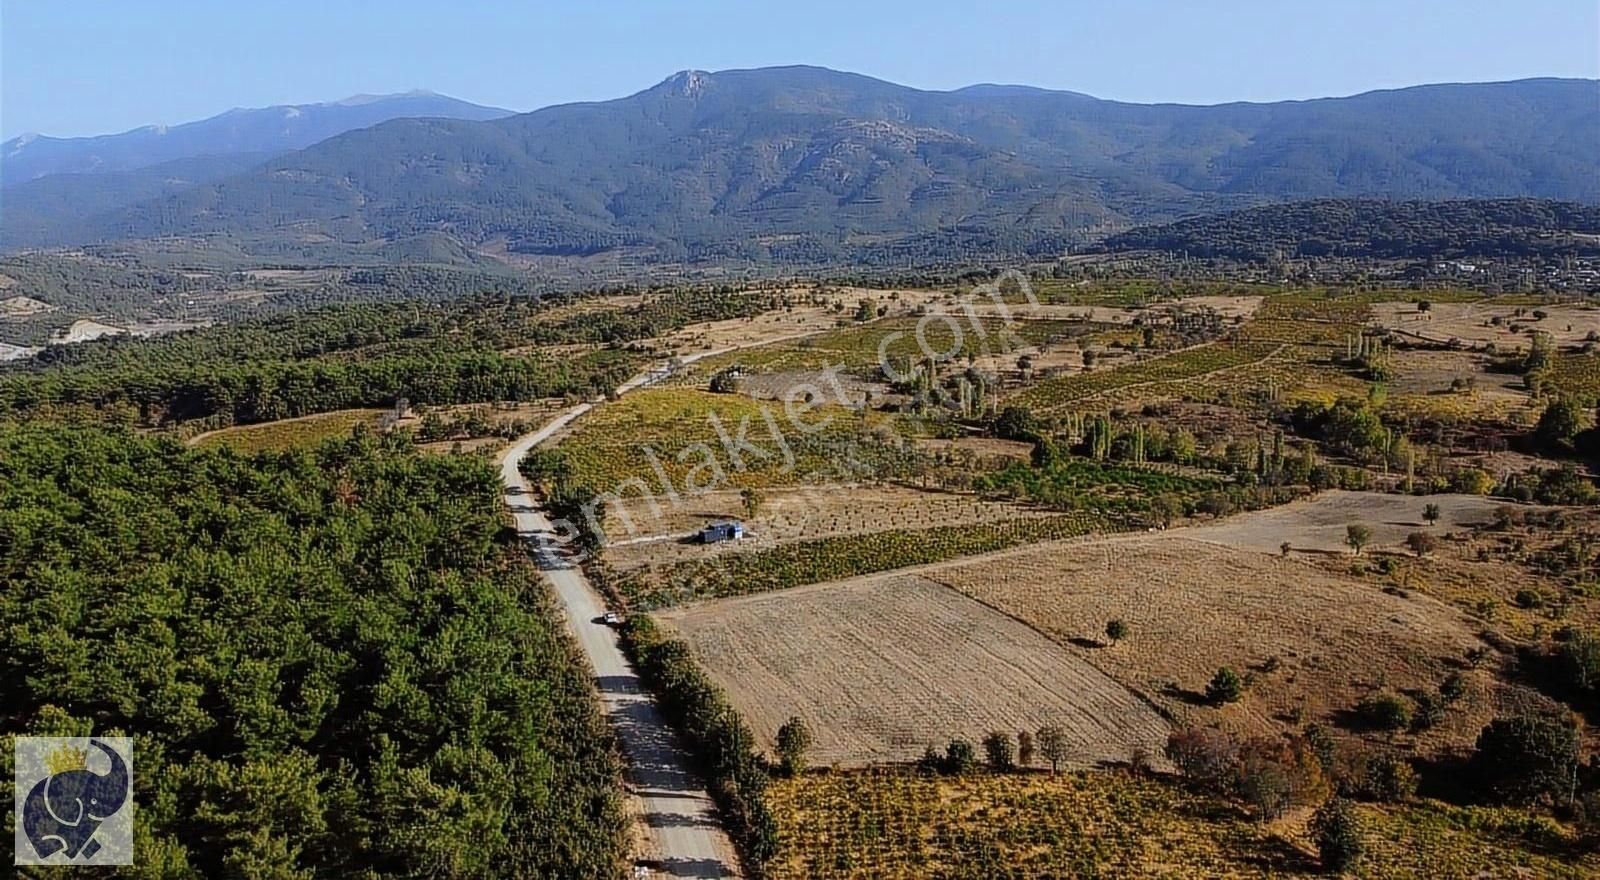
66, 758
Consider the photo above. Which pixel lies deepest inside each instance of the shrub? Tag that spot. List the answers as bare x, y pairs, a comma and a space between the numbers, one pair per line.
1225, 687
1388, 778
1337, 834
1000, 752
1203, 755
1421, 543
959, 757
1453, 688
1116, 630
1527, 757
794, 740
1384, 711
1430, 711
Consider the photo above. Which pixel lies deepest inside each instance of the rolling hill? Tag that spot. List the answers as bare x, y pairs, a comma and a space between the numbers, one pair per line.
804, 164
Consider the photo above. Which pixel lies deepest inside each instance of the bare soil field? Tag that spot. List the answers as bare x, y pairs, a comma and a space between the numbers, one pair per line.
1431, 372
1472, 322
1318, 524
1314, 642
645, 534
85, 329
979, 447
801, 321
795, 384
881, 668
23, 306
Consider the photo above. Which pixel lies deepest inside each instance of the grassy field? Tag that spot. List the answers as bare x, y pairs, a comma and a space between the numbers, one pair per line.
1076, 389
897, 825
677, 426
289, 433
1575, 376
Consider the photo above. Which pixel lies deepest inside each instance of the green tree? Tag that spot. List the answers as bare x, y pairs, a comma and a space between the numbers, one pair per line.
1225, 687
1054, 746
959, 757
1430, 513
1116, 630
1558, 424
1527, 757
1337, 834
1357, 536
1421, 543
1000, 752
794, 741
751, 499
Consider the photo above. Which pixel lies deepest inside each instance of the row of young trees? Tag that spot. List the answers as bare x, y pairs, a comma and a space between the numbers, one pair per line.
721, 743
333, 662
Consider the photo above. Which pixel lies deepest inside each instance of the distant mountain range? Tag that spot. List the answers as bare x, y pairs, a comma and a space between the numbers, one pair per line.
808, 165
257, 131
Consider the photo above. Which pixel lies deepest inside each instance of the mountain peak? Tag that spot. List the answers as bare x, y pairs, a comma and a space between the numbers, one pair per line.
687, 83
358, 100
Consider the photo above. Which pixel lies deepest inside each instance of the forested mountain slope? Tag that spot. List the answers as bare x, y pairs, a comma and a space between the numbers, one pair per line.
1379, 229
806, 164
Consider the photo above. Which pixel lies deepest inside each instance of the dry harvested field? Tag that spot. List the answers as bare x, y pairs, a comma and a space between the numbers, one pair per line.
880, 668
648, 531
1319, 523
791, 324
23, 306
1470, 322
1193, 606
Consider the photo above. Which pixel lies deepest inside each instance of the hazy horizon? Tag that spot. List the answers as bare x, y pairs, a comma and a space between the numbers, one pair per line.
71, 71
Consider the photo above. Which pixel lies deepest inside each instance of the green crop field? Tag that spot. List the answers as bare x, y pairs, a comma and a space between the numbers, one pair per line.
678, 428
1068, 390
843, 556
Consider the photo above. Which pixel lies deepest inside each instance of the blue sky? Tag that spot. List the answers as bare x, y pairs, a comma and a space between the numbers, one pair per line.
73, 67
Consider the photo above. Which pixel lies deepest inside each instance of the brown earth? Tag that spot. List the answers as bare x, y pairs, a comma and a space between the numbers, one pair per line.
1314, 642
881, 668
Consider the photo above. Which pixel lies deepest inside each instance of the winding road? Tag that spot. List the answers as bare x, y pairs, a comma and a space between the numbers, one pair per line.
684, 836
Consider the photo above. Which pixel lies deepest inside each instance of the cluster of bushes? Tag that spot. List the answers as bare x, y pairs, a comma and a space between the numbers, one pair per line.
1523, 760
722, 744
1002, 752
469, 425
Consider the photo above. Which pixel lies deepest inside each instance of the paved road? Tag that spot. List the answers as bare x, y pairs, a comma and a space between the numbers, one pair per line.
685, 837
